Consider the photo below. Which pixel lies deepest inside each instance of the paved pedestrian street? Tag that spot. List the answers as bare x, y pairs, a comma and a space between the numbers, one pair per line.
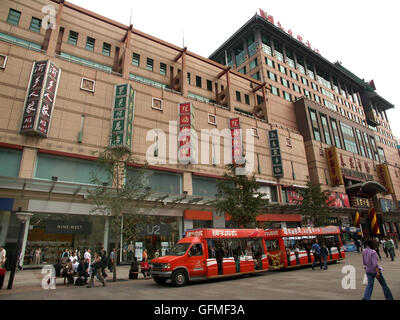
299, 284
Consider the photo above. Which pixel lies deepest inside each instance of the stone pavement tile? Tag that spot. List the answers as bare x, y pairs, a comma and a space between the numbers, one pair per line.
298, 284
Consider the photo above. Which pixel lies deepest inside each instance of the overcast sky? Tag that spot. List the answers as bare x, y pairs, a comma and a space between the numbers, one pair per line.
362, 34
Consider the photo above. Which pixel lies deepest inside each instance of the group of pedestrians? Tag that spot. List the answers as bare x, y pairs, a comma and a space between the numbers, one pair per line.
77, 269
320, 255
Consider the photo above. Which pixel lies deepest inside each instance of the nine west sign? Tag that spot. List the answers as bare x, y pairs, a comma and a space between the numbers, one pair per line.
68, 227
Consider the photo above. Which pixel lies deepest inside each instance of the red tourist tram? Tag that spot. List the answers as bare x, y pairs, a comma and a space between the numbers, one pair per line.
212, 253
288, 248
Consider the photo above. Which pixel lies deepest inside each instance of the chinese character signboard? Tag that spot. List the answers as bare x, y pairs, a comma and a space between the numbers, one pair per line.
186, 151
384, 177
122, 117
334, 166
276, 157
40, 98
237, 145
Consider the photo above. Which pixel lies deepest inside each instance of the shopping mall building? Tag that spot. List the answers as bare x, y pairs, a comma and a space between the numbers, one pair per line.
84, 82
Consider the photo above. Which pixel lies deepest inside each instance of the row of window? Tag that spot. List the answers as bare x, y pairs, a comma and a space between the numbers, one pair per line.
14, 17
90, 43
325, 128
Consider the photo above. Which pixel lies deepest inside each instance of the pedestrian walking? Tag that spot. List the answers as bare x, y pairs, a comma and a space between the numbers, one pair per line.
373, 270
383, 241
316, 250
390, 248
358, 245
324, 255
96, 271
111, 260
376, 248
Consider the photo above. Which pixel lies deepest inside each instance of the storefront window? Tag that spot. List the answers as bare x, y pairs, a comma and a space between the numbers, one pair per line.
10, 161
156, 234
50, 234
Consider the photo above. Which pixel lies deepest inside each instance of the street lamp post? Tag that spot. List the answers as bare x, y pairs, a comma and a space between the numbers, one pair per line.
23, 217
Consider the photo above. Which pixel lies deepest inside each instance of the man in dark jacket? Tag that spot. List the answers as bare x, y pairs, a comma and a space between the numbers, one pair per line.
82, 269
324, 255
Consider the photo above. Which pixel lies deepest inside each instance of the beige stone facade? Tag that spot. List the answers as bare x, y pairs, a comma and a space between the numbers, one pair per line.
163, 75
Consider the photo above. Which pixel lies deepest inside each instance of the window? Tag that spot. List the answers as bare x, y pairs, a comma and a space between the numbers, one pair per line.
238, 98
247, 99
149, 64
360, 143
212, 119
256, 76
90, 43
198, 81
381, 154
335, 131
253, 64
304, 80
287, 96
285, 82
163, 69
374, 149
260, 99
282, 69
106, 49
317, 99
269, 62
243, 70
275, 91
35, 25
209, 85
325, 129
13, 17
136, 59
314, 124
156, 104
73, 38
188, 77
271, 75
294, 75
366, 142
348, 138
314, 86
307, 93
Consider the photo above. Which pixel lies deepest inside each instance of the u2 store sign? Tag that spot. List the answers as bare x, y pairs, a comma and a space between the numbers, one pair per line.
155, 230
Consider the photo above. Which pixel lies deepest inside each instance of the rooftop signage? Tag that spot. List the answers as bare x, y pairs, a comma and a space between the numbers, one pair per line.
299, 38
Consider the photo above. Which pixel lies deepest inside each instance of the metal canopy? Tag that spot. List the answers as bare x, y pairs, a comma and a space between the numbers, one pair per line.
369, 187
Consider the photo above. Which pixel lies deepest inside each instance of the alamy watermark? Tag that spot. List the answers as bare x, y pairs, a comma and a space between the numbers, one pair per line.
49, 20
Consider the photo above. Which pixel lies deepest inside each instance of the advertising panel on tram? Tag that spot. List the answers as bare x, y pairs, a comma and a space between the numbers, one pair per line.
212, 253
291, 247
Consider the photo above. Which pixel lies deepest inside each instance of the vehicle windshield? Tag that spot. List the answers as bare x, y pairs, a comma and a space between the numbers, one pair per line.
179, 249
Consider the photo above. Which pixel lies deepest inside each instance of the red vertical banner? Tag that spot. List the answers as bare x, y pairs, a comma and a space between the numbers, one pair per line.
185, 139
374, 221
237, 145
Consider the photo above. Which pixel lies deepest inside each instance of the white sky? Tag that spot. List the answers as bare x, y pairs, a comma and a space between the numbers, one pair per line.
362, 34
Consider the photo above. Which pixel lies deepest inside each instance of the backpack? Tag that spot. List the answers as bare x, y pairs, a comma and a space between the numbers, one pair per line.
80, 281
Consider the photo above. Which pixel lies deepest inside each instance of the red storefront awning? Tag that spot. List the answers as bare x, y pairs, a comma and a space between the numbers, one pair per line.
279, 217
198, 215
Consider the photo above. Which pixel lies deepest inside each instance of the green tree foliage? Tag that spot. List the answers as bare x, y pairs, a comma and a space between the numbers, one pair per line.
118, 199
239, 197
314, 205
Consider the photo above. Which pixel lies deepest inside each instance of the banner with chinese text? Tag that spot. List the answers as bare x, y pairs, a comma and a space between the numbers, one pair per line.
186, 151
276, 157
40, 98
237, 144
122, 117
334, 166
384, 177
